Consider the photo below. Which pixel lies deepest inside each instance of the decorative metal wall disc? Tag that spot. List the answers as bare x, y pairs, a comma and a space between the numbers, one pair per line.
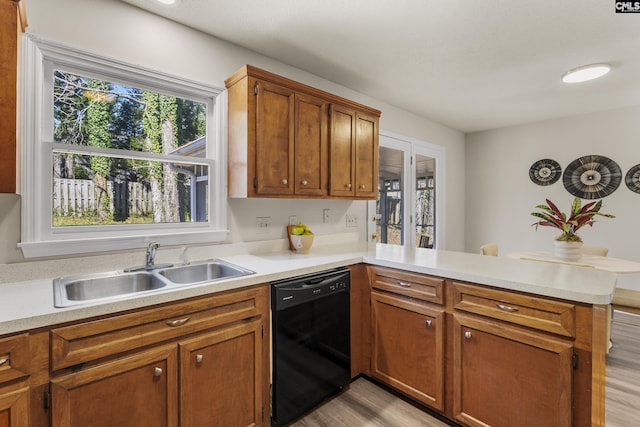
592, 177
632, 179
545, 172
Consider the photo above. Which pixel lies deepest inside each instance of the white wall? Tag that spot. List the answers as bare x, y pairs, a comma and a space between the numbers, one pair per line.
500, 195
118, 30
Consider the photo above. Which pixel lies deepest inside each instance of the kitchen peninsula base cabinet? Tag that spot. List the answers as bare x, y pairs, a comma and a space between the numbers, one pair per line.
484, 356
195, 362
290, 140
408, 335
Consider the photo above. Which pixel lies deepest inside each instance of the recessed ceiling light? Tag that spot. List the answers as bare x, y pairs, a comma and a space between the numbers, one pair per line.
166, 1
585, 73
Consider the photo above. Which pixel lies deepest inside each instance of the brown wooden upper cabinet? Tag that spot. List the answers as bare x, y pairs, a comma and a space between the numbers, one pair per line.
287, 139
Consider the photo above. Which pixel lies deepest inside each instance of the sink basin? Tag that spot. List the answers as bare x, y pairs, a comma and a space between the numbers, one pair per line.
69, 291
207, 271
77, 290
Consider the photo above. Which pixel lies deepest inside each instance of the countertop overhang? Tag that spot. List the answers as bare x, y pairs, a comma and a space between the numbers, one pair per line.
29, 305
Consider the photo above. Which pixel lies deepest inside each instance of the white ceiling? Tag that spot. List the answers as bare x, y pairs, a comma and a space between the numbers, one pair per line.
469, 64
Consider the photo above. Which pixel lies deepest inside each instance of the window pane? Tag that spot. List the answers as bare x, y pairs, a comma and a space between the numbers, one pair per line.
389, 204
425, 201
98, 113
91, 189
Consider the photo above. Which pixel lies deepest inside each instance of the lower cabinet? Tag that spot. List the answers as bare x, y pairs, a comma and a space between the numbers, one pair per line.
14, 408
220, 378
503, 376
201, 362
486, 357
408, 347
14, 381
136, 390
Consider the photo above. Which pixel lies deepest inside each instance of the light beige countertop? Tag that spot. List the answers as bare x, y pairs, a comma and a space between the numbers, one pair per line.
29, 305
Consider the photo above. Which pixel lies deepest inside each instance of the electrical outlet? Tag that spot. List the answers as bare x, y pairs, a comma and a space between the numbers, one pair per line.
352, 220
325, 216
293, 220
263, 225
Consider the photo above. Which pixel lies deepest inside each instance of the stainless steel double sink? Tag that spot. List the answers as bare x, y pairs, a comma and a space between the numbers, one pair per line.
75, 290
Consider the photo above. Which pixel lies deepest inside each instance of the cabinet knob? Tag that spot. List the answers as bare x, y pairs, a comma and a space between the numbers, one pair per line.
199, 358
285, 182
157, 372
467, 335
428, 323
304, 182
362, 187
348, 186
374, 236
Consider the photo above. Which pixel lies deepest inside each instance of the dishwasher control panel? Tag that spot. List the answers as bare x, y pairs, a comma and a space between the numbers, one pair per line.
297, 290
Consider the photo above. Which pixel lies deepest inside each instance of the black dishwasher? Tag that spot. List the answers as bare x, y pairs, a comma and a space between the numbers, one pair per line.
311, 342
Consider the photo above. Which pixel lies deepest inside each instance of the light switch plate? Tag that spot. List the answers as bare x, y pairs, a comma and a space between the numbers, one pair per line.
263, 225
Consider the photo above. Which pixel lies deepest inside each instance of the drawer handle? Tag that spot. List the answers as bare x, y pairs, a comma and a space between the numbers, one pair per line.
404, 284
199, 358
178, 322
506, 308
3, 361
157, 372
428, 323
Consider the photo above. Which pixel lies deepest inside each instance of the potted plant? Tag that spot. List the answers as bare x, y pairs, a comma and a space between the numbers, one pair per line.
567, 245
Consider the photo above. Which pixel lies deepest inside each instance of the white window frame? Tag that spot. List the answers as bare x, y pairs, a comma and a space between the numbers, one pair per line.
39, 238
412, 147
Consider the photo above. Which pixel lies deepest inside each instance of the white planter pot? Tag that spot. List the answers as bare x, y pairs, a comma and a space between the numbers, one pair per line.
567, 251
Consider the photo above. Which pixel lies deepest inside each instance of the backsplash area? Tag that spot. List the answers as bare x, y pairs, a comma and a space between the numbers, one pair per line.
33, 270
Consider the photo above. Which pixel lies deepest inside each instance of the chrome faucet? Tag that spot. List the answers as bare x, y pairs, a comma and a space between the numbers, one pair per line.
150, 260
151, 254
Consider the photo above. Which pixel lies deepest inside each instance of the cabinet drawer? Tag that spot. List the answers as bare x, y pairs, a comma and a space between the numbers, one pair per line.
75, 344
14, 357
533, 312
414, 285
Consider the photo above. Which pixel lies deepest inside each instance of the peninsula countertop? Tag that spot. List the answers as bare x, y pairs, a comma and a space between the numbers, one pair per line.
29, 305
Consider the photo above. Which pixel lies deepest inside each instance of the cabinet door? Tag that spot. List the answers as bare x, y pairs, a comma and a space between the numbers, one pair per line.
310, 146
408, 347
366, 156
14, 408
274, 139
505, 376
221, 378
342, 152
137, 390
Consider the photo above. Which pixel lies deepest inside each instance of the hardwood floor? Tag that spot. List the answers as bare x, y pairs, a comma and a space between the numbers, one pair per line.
623, 372
365, 404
